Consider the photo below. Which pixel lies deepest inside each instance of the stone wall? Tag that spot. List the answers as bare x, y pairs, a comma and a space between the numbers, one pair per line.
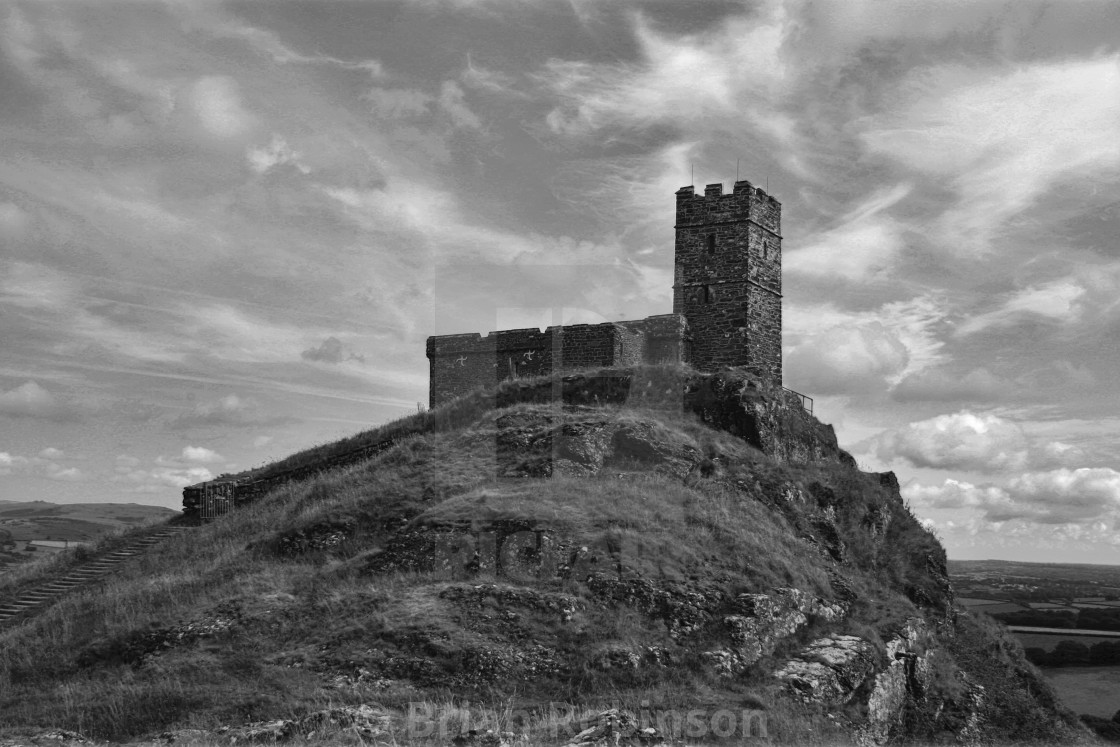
727, 308
460, 363
728, 278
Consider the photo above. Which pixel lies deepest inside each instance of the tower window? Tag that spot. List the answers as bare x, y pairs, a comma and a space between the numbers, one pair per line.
707, 294
765, 249
711, 243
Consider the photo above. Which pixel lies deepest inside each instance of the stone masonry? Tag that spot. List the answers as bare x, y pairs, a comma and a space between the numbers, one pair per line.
727, 308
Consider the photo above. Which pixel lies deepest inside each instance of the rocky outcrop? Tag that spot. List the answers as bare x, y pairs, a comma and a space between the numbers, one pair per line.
773, 421
362, 721
615, 727
760, 622
905, 680
142, 645
536, 444
829, 670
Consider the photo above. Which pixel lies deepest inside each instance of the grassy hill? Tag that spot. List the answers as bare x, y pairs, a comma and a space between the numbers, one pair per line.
28, 520
657, 541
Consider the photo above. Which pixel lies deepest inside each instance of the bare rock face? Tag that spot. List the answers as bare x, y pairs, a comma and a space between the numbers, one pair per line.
774, 423
761, 621
905, 678
829, 670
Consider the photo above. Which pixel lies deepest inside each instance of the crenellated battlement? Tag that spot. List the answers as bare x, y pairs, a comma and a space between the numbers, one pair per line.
727, 297
746, 202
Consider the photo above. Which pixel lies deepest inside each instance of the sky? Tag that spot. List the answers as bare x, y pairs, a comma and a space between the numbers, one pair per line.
226, 229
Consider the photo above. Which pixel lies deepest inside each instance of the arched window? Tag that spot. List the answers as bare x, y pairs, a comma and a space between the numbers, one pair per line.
707, 294
711, 243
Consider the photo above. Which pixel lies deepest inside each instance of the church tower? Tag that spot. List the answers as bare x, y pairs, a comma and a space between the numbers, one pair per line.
728, 279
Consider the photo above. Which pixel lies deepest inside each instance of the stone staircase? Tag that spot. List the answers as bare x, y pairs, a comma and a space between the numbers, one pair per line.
81, 576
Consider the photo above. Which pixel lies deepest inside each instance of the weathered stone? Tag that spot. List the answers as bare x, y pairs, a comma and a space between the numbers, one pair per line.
615, 727
762, 621
727, 308
829, 670
904, 679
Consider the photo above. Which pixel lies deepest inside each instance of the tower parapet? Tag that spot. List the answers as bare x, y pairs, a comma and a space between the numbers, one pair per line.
727, 308
728, 277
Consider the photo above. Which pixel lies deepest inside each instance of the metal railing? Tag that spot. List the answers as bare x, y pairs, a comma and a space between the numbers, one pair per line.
806, 400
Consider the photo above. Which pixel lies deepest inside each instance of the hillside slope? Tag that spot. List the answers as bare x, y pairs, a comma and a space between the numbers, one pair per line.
686, 548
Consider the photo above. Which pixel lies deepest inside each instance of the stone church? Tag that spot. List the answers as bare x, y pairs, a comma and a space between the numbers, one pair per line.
727, 308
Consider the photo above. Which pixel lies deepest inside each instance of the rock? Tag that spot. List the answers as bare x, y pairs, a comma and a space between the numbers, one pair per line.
185, 736
773, 421
643, 444
762, 621
829, 670
363, 720
615, 727
325, 535
46, 737
259, 731
905, 679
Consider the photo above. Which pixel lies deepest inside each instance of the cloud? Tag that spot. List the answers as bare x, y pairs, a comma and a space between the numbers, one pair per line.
848, 360
215, 102
158, 479
862, 246
14, 221
201, 455
956, 494
276, 153
225, 25
681, 80
453, 101
969, 441
832, 351
1062, 496
29, 400
35, 286
39, 466
230, 410
944, 385
1056, 300
330, 350
1001, 139
398, 103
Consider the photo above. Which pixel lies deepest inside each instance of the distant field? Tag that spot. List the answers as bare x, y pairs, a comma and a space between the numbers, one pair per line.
990, 606
21, 522
971, 602
1092, 690
1048, 606
1047, 641
74, 521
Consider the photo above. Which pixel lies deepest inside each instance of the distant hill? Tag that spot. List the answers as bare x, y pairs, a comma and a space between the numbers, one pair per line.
77, 522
